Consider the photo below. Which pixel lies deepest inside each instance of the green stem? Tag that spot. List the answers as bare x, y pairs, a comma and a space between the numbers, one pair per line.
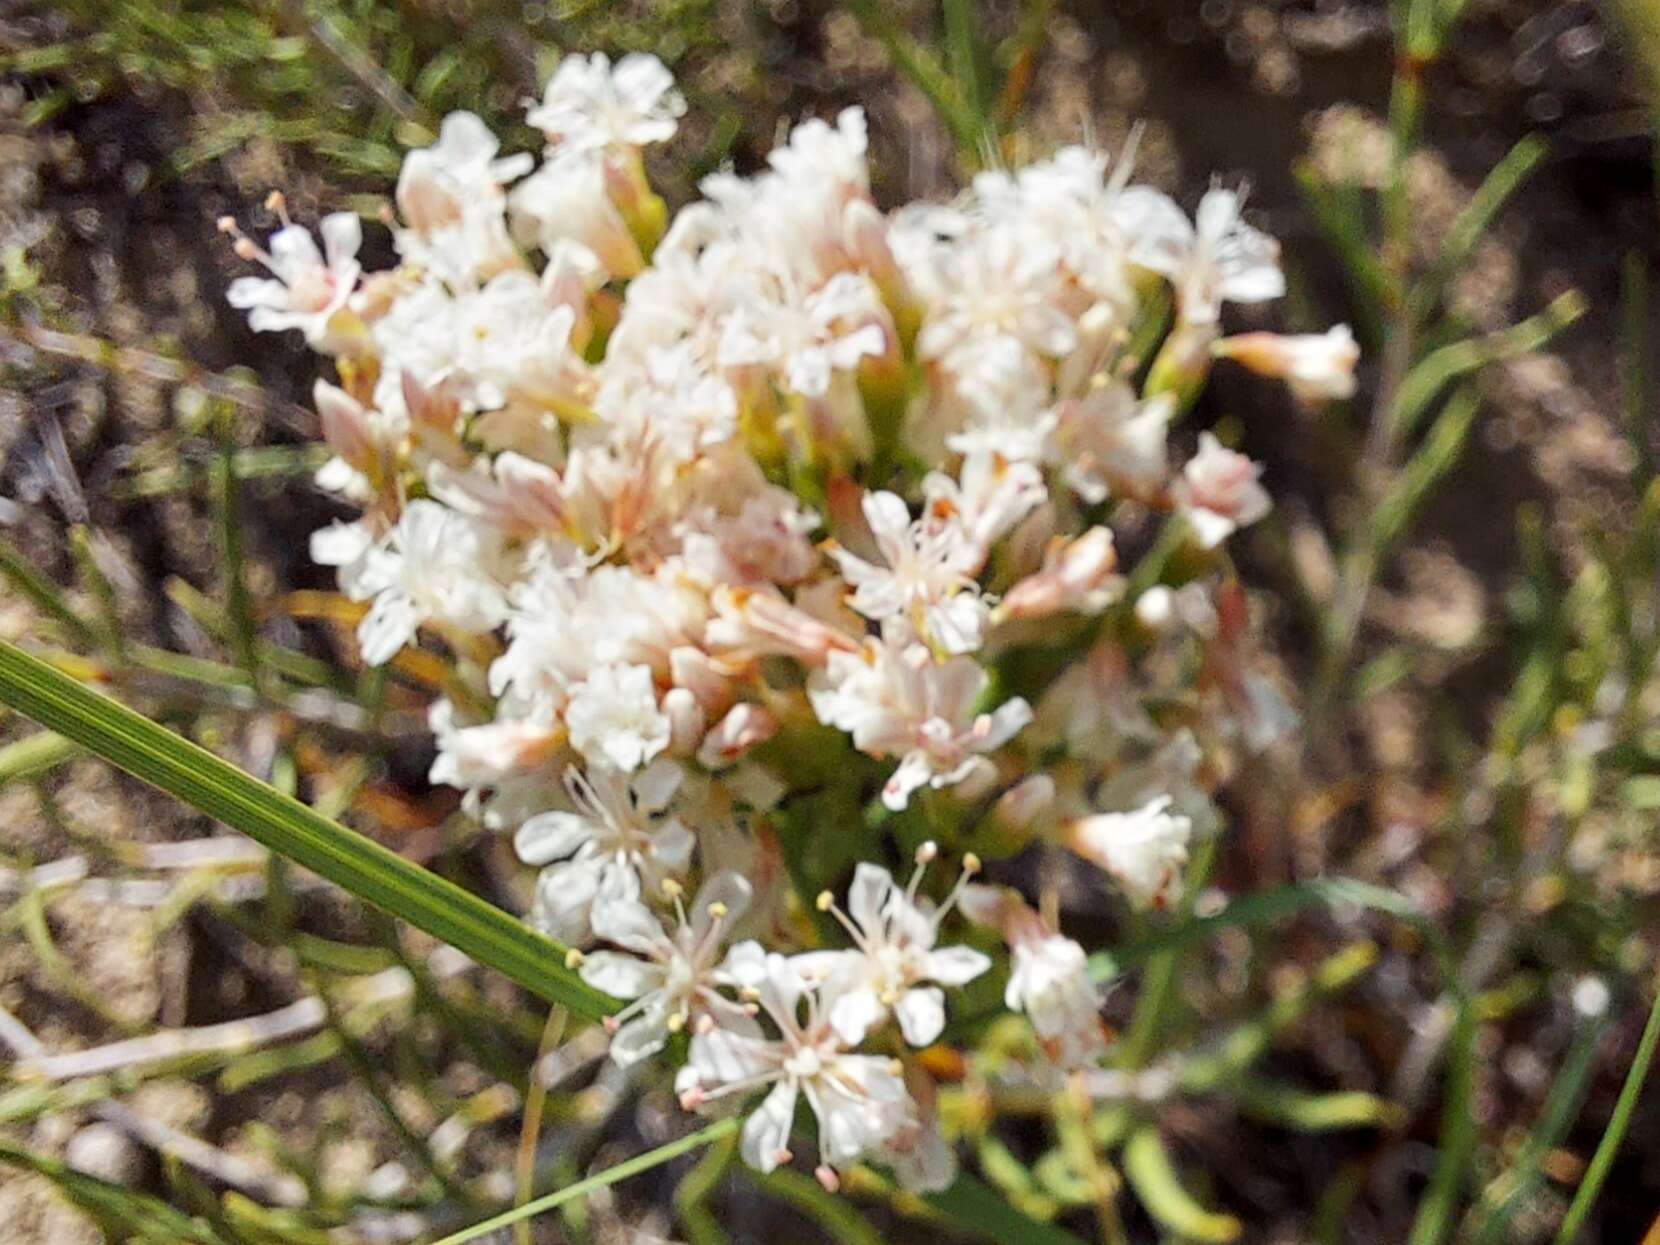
1624, 1108
622, 1171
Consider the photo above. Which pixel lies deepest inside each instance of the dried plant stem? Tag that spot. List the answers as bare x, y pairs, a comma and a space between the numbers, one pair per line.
535, 1100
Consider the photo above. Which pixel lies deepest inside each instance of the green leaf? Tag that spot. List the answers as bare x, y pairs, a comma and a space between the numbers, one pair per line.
975, 1209
1315, 1113
1149, 1171
348, 859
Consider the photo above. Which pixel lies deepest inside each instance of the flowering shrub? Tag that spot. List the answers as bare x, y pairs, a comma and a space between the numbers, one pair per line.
783, 536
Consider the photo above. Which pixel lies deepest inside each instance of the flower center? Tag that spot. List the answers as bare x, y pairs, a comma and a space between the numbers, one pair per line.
804, 1064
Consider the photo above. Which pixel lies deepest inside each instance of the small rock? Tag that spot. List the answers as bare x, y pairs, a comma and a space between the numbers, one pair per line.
104, 1151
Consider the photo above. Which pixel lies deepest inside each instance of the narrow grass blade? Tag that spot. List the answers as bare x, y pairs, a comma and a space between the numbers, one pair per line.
346, 858
1439, 453
1424, 383
925, 73
126, 1215
1458, 1134
1624, 1107
239, 607
44, 596
40, 752
963, 54
1491, 1216
973, 1208
622, 1171
836, 1216
1639, 382
1474, 221
1262, 909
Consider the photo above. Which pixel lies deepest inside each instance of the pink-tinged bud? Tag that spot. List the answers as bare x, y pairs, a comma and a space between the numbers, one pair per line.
827, 1177
686, 720
1219, 493
866, 231
705, 677
522, 497
763, 623
1027, 802
1077, 577
1316, 366
693, 1098
744, 727
1143, 850
346, 425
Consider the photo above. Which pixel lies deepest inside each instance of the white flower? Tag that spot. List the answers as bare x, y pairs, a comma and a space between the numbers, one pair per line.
614, 718
566, 200
450, 198
440, 183
611, 843
860, 1100
1143, 850
513, 346
895, 700
671, 974
1219, 493
1077, 575
1048, 977
1005, 283
307, 287
925, 579
894, 958
1109, 441
589, 103
435, 566
484, 755
1316, 366
988, 497
1219, 259
1049, 981
808, 338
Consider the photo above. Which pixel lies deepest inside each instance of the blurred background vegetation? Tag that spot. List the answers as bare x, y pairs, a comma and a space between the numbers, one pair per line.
1461, 582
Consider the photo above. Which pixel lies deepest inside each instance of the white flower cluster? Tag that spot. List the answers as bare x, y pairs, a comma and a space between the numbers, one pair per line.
787, 485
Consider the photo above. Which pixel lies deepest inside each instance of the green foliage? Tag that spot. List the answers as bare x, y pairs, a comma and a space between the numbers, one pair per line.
353, 81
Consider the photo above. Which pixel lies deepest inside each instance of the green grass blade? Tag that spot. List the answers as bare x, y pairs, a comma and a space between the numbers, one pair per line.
40, 752
1491, 1216
1638, 386
621, 1171
350, 860
126, 1215
1586, 1195
1426, 381
836, 1216
925, 72
1262, 909
1458, 1134
963, 54
1474, 220
974, 1208
44, 596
